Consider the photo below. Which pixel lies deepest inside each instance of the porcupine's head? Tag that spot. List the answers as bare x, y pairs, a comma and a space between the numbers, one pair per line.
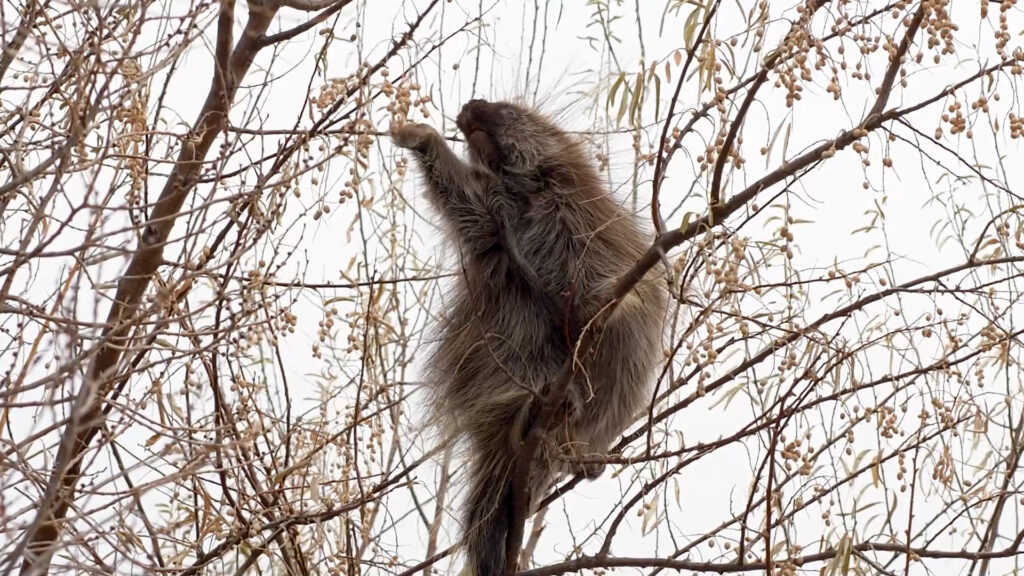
507, 137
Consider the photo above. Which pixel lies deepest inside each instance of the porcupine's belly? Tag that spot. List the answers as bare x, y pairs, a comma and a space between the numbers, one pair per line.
619, 385
493, 359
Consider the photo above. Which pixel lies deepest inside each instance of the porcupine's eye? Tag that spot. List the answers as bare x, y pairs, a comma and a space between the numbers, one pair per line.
509, 114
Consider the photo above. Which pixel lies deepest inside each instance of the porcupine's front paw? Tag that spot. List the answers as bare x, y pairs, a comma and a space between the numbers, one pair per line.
411, 135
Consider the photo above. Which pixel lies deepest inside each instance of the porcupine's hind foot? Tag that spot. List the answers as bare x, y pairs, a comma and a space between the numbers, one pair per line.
574, 406
593, 467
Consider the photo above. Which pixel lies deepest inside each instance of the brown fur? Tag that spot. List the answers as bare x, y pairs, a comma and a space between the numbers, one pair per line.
541, 243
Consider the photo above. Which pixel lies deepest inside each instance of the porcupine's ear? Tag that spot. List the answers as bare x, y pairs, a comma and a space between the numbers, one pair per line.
509, 113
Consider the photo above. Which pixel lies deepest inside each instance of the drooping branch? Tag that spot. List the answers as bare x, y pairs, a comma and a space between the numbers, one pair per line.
662, 158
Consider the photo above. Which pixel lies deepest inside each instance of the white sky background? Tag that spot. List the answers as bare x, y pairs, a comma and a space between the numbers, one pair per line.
576, 74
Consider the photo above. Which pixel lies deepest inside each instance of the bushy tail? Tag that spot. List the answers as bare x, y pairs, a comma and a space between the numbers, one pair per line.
488, 511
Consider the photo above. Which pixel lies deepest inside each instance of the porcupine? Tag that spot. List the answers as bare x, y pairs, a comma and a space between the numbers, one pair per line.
542, 243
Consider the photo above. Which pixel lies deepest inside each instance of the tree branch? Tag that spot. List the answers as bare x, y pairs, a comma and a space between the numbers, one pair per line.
333, 7
759, 80
87, 416
591, 562
659, 164
312, 5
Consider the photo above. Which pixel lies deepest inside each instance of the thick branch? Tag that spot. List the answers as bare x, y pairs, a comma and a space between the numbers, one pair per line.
11, 49
87, 416
591, 562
